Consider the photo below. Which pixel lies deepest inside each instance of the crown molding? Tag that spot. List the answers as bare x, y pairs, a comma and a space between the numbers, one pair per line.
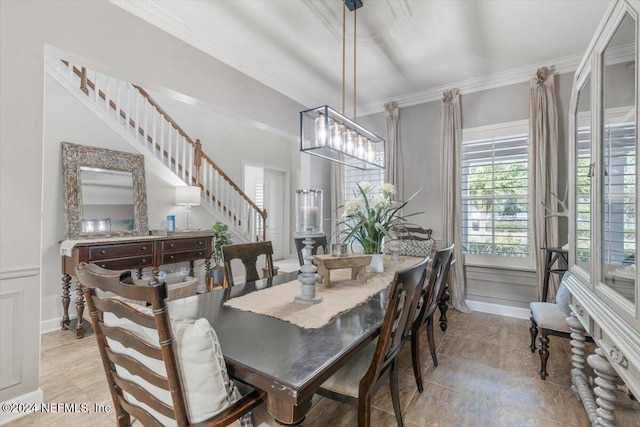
568, 64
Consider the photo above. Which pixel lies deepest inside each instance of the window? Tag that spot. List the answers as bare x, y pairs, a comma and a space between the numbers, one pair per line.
352, 176
495, 195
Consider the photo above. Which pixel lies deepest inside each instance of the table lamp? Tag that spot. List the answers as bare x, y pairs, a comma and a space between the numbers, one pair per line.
187, 196
308, 204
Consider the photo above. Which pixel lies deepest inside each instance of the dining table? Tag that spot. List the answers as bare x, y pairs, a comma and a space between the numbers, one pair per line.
288, 362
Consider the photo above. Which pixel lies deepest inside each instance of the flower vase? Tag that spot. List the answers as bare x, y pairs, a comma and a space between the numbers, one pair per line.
377, 263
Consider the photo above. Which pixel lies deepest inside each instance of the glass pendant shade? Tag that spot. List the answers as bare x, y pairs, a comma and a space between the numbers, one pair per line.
326, 133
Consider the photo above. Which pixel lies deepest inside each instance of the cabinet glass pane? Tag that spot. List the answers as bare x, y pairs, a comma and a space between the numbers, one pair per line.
583, 189
619, 150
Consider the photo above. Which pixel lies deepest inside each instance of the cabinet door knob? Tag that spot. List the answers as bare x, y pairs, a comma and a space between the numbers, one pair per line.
104, 266
171, 257
144, 248
103, 252
200, 242
170, 245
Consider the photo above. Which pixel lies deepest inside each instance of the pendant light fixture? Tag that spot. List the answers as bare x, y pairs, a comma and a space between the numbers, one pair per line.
327, 133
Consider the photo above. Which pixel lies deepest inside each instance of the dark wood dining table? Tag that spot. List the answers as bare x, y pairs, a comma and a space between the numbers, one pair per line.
286, 361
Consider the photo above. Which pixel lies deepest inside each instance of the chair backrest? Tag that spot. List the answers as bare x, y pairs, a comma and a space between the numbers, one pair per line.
317, 242
248, 253
415, 241
415, 233
431, 290
404, 295
126, 392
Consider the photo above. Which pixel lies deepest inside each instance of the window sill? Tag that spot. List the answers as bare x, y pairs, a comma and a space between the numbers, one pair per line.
501, 267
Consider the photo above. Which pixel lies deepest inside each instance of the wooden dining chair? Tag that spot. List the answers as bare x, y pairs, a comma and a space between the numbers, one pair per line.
248, 253
356, 382
426, 308
160, 371
318, 242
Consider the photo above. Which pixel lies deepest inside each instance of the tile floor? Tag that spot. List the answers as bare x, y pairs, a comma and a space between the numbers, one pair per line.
486, 376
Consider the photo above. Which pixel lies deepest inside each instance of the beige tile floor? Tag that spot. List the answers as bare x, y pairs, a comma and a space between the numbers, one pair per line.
486, 377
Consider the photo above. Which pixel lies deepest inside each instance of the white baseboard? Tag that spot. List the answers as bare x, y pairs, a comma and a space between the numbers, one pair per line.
53, 324
35, 397
502, 310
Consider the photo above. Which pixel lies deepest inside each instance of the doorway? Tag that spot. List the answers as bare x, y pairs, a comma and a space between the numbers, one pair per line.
267, 188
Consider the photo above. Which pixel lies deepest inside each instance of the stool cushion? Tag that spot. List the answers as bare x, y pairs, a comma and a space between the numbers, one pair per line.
548, 315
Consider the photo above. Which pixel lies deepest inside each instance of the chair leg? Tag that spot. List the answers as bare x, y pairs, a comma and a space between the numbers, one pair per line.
415, 357
432, 343
534, 333
544, 354
442, 305
364, 411
395, 392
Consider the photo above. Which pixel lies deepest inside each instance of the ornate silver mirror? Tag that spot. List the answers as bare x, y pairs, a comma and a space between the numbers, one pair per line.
104, 192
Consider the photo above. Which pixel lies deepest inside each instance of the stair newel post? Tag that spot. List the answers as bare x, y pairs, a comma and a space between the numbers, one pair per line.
197, 162
83, 81
264, 225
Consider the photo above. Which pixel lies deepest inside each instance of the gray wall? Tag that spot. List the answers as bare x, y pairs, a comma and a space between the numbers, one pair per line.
422, 153
121, 45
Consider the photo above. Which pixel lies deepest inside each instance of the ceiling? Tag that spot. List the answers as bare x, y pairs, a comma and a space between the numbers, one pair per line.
407, 50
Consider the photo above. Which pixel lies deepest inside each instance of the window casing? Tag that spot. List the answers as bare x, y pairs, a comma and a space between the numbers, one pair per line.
496, 197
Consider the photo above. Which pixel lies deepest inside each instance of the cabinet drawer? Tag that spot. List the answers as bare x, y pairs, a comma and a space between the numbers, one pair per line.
582, 315
183, 256
126, 263
120, 251
626, 365
184, 244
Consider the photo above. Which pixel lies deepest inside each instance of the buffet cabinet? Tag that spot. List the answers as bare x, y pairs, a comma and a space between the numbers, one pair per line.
128, 253
603, 222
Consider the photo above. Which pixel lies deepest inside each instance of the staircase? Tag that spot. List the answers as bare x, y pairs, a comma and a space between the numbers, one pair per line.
149, 129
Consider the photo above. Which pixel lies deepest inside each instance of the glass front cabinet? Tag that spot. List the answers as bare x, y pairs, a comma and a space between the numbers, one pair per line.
603, 222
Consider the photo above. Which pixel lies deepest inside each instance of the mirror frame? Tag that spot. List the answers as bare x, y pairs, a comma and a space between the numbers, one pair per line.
76, 156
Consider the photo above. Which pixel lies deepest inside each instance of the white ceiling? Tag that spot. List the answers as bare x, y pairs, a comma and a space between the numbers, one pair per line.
407, 50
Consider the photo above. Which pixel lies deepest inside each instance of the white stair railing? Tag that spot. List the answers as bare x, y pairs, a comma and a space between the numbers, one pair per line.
157, 134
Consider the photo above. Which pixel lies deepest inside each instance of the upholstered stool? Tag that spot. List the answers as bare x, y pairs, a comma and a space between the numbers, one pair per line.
550, 319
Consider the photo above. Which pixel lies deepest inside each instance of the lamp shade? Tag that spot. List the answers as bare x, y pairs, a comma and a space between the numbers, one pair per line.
188, 196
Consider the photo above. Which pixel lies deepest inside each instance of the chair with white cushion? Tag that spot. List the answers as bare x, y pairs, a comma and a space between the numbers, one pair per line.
161, 372
356, 382
549, 318
416, 241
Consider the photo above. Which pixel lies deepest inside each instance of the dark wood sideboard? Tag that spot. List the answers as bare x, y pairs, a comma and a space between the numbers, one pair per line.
129, 254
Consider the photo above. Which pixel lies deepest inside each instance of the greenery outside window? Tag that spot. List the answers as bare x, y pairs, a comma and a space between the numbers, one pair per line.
496, 200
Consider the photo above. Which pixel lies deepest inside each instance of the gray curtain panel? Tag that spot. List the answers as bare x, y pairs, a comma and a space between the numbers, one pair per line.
543, 131
451, 140
393, 162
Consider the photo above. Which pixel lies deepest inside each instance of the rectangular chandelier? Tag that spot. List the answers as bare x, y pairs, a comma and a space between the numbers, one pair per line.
326, 133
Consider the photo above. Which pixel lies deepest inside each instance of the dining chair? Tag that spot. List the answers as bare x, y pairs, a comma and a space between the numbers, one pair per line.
549, 319
160, 371
360, 377
429, 299
318, 242
416, 241
248, 253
